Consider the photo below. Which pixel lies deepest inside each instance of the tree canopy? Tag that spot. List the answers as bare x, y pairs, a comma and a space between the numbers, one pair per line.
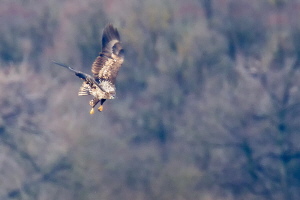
207, 101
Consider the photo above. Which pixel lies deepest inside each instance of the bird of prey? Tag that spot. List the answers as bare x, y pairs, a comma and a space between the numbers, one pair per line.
105, 70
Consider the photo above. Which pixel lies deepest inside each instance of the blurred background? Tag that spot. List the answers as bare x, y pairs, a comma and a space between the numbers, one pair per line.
207, 107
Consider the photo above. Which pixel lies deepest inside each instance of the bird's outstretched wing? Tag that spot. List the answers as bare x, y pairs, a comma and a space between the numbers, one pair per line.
107, 64
80, 74
89, 79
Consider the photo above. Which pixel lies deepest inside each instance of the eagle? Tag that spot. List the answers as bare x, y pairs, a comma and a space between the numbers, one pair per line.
101, 85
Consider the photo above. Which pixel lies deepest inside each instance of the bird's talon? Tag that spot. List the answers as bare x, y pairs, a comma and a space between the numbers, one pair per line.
92, 111
100, 108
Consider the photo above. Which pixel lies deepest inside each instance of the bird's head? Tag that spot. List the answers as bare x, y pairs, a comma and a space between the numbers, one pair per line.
111, 94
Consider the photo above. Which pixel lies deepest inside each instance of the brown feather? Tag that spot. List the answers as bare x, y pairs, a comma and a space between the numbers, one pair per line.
109, 61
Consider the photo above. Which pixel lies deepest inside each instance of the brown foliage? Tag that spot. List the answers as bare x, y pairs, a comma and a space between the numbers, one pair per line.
207, 105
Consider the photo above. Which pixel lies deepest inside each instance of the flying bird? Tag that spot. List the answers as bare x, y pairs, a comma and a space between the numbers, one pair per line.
101, 85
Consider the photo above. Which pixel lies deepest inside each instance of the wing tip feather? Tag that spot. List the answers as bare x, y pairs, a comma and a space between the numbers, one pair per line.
109, 33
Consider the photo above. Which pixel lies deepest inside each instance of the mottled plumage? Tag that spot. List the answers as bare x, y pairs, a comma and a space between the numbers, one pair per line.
105, 69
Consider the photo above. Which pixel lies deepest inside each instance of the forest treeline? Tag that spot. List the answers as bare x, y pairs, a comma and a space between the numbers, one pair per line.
207, 107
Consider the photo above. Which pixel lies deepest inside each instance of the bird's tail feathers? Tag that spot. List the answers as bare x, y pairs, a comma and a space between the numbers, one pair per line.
84, 90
